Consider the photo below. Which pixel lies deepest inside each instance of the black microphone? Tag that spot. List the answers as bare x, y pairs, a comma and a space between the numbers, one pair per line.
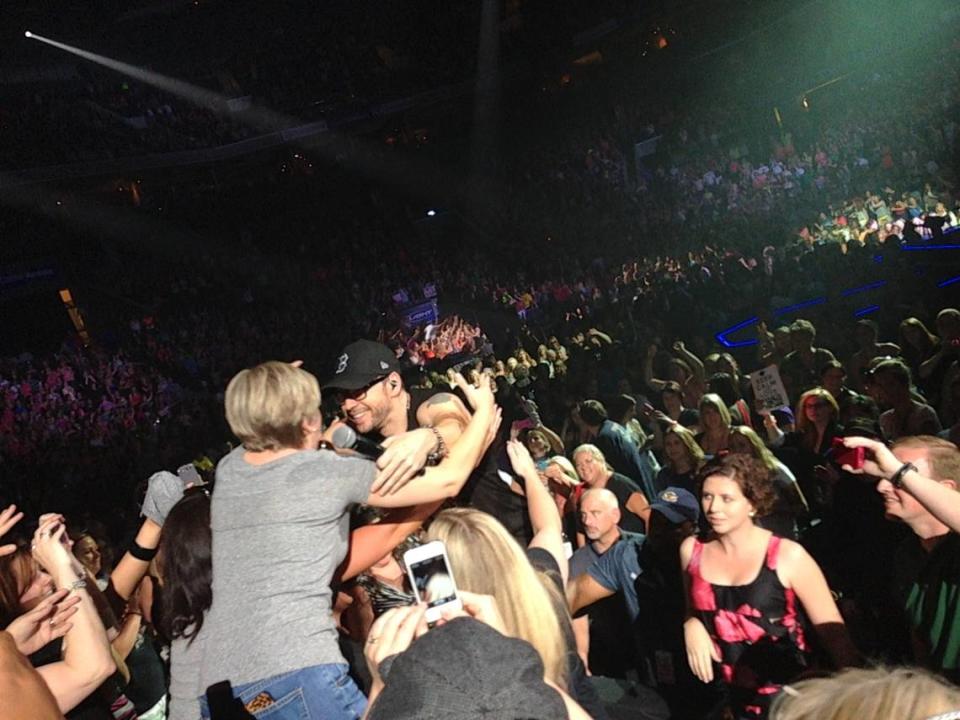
346, 438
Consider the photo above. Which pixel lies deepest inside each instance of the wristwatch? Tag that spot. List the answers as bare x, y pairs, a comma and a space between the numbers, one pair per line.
897, 479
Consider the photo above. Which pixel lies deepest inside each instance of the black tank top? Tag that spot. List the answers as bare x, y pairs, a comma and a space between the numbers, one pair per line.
757, 628
484, 489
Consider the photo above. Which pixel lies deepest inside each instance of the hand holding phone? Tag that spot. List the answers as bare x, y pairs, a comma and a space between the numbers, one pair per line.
188, 475
432, 579
842, 455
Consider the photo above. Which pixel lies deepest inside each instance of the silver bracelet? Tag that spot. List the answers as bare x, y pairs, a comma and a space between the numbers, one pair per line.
77, 584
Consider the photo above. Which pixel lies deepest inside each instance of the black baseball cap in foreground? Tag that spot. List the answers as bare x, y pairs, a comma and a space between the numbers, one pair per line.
677, 505
361, 363
466, 670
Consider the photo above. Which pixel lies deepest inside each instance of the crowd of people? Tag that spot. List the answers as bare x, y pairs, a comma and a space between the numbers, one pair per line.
633, 529
450, 337
569, 523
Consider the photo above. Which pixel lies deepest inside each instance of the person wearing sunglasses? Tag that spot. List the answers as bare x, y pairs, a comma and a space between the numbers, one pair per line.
279, 526
417, 427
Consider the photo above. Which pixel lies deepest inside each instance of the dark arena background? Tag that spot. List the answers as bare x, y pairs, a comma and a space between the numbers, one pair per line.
669, 231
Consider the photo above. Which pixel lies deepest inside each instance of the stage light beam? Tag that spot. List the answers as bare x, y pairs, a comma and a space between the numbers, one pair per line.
428, 179
262, 119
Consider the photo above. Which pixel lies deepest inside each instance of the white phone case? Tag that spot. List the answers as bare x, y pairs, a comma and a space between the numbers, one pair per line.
441, 582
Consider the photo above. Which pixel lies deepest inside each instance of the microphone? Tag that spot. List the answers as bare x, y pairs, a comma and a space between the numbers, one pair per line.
346, 438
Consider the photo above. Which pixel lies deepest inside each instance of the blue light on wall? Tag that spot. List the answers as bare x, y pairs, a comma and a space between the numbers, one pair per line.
866, 311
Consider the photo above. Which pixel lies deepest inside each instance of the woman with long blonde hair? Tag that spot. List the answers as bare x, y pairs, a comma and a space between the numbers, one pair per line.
715, 422
526, 583
487, 560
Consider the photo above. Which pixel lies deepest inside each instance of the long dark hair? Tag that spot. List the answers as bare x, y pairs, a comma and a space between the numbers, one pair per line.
185, 566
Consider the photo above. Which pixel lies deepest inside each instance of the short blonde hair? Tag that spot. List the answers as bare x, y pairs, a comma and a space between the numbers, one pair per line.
942, 455
593, 451
485, 559
877, 694
267, 405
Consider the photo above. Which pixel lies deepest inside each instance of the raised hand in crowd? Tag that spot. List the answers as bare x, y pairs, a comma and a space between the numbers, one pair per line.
521, 461
555, 474
447, 478
164, 490
87, 660
939, 497
406, 454
8, 518
544, 516
46, 622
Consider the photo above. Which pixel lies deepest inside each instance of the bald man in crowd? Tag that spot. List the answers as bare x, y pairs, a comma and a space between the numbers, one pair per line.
600, 631
644, 571
600, 520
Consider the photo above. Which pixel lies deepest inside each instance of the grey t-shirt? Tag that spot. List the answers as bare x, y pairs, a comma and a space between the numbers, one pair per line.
279, 532
185, 657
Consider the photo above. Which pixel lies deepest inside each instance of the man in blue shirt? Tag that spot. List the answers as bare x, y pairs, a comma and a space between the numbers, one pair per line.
599, 633
645, 571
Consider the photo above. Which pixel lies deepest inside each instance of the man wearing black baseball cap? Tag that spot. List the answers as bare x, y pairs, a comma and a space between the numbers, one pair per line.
416, 426
361, 367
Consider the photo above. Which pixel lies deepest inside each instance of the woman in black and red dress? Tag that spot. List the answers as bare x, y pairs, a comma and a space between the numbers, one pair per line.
745, 591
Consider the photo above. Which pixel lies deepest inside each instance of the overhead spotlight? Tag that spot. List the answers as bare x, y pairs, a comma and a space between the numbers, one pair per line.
28, 34
431, 213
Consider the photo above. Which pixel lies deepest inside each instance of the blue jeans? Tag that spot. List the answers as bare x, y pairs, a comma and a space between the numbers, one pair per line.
321, 692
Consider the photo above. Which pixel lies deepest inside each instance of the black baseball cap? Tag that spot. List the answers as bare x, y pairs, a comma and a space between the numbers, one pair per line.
361, 363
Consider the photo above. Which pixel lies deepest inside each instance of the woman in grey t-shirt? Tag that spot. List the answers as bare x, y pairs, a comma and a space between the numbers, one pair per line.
279, 522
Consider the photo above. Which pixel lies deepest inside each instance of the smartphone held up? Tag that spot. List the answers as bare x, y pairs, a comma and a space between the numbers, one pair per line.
432, 579
188, 475
843, 456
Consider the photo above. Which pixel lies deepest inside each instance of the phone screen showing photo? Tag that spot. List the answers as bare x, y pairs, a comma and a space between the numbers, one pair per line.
433, 582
